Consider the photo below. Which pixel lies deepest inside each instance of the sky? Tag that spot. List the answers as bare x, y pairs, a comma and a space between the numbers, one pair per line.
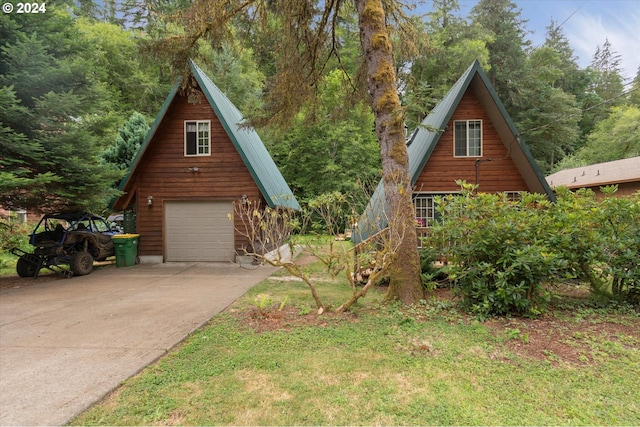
586, 24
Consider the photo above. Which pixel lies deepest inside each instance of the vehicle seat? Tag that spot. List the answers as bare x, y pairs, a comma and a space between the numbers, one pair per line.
58, 233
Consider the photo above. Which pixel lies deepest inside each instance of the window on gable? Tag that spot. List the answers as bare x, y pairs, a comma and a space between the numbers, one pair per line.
467, 137
197, 140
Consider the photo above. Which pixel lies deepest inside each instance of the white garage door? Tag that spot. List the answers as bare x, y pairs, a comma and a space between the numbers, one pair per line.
198, 231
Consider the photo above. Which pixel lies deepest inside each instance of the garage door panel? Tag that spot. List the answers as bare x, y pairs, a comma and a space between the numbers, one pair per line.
198, 231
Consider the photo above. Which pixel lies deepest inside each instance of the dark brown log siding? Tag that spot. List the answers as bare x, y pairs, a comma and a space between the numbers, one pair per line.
164, 173
496, 171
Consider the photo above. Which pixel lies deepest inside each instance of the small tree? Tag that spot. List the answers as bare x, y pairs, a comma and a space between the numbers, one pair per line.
130, 137
267, 228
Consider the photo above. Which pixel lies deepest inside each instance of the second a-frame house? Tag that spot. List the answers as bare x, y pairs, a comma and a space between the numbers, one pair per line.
467, 136
196, 161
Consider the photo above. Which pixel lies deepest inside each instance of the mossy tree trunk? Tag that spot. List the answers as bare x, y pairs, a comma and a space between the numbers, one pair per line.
404, 269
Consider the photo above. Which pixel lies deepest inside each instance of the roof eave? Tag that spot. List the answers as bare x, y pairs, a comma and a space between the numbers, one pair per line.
145, 145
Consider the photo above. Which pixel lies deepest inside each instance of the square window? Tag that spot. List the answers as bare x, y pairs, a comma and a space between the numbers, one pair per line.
197, 140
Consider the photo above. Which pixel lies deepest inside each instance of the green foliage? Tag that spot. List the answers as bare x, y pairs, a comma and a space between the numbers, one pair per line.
501, 18
500, 262
503, 252
615, 137
620, 230
58, 93
432, 276
550, 117
453, 44
13, 234
130, 137
330, 148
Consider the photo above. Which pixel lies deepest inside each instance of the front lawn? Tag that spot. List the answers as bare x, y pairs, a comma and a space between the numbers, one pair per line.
271, 360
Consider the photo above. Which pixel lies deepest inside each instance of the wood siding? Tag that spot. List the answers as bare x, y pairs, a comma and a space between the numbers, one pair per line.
496, 171
624, 189
164, 174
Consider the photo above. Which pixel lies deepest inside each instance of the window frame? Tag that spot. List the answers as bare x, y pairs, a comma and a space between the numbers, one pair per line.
423, 227
467, 139
198, 147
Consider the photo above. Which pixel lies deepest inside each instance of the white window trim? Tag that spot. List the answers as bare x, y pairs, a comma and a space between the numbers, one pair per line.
422, 230
467, 136
197, 122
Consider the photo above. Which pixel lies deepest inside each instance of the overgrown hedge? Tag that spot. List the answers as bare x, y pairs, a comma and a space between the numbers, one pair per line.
502, 252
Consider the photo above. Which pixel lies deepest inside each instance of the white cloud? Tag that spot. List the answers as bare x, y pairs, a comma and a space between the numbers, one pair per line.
617, 21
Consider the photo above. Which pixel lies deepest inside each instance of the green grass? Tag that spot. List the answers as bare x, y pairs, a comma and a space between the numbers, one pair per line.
7, 264
381, 364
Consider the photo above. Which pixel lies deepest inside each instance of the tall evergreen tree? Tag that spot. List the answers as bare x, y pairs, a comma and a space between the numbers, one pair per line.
549, 120
507, 50
634, 91
453, 45
49, 156
606, 86
130, 137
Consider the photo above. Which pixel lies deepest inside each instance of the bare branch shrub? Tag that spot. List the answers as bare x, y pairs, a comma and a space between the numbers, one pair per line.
274, 236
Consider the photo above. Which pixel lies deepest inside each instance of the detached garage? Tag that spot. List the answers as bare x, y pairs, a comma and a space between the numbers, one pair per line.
195, 162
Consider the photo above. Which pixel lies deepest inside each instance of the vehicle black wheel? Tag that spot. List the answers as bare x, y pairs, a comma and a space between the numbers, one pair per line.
26, 266
81, 263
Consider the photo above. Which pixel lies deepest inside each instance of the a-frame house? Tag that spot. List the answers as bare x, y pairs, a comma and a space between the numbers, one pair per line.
196, 160
468, 136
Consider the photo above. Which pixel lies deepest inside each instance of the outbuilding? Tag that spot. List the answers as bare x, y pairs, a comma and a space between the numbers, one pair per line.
196, 161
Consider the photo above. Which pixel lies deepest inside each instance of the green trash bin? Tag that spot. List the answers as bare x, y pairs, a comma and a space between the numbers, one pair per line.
126, 246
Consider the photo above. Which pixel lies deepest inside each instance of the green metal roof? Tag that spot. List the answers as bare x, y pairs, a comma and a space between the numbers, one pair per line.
245, 139
423, 141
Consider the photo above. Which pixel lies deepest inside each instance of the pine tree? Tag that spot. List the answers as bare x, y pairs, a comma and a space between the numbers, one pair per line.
130, 137
507, 49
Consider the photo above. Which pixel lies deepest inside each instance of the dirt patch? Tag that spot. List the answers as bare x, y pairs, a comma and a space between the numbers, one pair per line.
288, 318
576, 342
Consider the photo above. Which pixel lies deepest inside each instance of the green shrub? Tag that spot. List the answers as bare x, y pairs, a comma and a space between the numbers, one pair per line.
13, 234
498, 258
433, 276
502, 252
599, 240
573, 233
620, 244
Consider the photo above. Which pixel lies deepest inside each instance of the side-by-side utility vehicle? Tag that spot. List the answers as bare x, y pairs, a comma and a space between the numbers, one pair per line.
75, 239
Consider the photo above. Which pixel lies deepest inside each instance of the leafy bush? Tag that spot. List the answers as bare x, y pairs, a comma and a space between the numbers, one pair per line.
498, 258
620, 245
12, 234
503, 251
600, 240
573, 232
431, 275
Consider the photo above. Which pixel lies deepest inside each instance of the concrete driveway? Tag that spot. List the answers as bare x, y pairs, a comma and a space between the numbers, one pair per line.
66, 343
